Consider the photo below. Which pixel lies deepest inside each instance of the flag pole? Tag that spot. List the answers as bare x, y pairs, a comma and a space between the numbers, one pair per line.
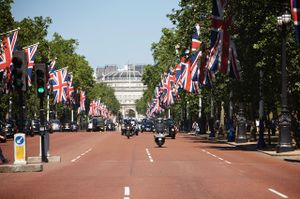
31, 45
5, 33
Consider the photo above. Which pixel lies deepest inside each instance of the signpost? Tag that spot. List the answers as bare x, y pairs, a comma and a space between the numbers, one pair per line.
20, 148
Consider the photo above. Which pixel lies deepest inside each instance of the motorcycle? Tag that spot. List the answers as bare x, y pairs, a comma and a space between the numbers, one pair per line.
128, 130
159, 138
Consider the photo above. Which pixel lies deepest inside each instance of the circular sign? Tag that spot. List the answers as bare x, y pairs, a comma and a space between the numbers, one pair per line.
20, 140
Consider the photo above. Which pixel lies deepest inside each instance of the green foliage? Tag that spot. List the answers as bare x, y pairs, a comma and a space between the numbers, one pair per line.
257, 37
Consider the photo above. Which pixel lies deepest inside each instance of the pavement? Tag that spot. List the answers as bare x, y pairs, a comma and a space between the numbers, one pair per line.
291, 156
33, 164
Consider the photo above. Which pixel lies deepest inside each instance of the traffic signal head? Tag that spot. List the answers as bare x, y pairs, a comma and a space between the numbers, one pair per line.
19, 73
41, 79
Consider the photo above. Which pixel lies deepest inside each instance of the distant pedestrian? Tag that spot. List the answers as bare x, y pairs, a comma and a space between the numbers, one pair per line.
2, 158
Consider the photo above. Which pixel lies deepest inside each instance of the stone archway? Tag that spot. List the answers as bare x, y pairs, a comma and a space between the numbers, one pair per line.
130, 113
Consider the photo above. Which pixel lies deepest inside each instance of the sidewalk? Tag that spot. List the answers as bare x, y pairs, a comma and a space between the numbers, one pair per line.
292, 156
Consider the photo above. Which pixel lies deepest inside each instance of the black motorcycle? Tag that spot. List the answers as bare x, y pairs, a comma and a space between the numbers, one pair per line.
160, 136
128, 130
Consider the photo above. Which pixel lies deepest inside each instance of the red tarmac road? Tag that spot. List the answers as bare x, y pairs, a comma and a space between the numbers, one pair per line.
108, 165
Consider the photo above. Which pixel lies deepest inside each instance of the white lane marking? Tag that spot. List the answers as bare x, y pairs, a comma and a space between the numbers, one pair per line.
78, 157
126, 193
209, 153
149, 155
278, 193
227, 162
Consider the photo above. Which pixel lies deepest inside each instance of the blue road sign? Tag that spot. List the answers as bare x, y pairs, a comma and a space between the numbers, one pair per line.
19, 140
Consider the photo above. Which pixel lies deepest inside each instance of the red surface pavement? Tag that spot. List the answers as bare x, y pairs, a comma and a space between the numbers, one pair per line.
101, 165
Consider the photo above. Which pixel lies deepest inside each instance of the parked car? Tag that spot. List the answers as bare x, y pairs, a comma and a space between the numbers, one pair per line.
74, 126
10, 128
36, 125
66, 126
55, 125
2, 132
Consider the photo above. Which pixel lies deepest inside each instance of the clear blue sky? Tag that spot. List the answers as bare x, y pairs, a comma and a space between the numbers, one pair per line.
108, 31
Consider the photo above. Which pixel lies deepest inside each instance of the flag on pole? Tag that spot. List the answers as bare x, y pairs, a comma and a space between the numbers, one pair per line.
295, 10
71, 89
30, 52
81, 101
8, 46
60, 85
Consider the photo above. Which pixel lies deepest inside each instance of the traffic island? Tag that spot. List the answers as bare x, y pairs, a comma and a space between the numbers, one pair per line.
14, 168
38, 159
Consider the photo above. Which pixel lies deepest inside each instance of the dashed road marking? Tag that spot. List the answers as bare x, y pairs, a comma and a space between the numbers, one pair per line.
209, 153
149, 155
126, 193
78, 157
278, 193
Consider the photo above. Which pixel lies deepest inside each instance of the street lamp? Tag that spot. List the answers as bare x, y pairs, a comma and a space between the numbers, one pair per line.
285, 141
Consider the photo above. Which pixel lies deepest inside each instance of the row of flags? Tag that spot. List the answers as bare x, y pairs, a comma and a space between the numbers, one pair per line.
98, 108
198, 66
59, 81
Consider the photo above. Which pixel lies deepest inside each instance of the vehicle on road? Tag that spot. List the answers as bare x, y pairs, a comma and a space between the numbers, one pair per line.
10, 128
160, 132
96, 124
147, 126
170, 128
66, 126
55, 125
110, 125
74, 127
2, 132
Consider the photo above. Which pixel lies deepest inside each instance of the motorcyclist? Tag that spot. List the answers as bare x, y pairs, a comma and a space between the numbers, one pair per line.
159, 126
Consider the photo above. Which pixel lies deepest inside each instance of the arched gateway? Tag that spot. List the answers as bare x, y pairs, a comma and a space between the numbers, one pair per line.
128, 87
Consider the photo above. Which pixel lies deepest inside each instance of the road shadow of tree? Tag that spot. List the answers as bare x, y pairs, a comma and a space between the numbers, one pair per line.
215, 144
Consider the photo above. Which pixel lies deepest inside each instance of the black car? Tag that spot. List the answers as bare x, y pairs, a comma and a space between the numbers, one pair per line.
170, 128
10, 128
96, 124
109, 125
36, 125
147, 126
66, 126
2, 132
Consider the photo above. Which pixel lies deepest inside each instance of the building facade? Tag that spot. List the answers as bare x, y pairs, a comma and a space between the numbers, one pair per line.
127, 84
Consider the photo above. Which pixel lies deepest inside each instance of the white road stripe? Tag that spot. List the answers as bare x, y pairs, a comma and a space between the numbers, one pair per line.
209, 153
278, 193
149, 155
227, 162
78, 157
126, 193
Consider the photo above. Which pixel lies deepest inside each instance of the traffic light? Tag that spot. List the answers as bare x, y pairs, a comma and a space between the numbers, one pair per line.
41, 79
19, 72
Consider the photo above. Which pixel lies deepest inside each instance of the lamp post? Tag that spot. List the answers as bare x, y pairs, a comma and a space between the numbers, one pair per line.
285, 141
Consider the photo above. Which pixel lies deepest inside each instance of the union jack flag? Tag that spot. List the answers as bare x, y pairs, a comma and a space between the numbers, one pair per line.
70, 90
59, 84
295, 10
222, 56
81, 102
30, 52
9, 46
